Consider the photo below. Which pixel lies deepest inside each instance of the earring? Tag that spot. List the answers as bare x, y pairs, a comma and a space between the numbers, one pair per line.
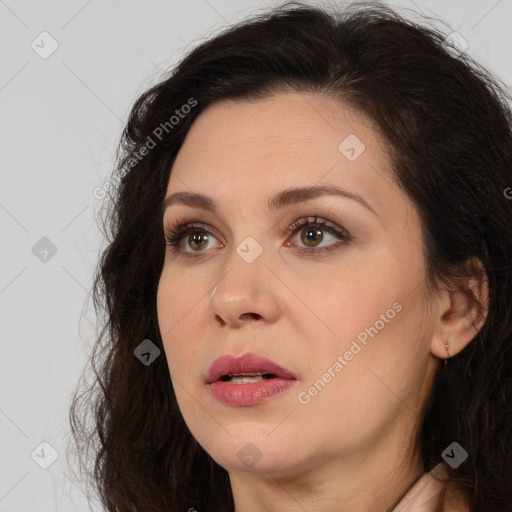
446, 348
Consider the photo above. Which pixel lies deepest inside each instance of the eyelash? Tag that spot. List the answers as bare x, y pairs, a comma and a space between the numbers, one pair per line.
175, 233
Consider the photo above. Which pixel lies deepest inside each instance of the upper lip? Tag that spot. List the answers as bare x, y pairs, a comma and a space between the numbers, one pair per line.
245, 363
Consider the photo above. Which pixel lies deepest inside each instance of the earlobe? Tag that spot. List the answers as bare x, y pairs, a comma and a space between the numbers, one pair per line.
460, 316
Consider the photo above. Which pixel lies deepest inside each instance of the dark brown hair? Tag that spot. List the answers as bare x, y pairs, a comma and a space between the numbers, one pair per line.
447, 124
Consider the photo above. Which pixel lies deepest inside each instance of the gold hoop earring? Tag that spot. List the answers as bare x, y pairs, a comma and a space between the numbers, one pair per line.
446, 358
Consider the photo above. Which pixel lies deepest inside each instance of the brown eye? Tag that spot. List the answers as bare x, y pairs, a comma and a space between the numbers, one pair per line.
311, 236
197, 240
312, 231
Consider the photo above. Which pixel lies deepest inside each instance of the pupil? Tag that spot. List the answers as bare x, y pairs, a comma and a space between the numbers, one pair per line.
311, 234
196, 237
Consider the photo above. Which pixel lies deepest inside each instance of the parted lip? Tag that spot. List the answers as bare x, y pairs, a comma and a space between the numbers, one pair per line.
245, 363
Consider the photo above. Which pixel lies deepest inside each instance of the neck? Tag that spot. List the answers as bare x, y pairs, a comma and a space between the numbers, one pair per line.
358, 485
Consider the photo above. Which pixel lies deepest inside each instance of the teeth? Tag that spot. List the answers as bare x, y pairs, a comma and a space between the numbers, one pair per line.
246, 378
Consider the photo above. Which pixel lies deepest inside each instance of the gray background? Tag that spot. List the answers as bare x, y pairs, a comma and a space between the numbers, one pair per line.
61, 119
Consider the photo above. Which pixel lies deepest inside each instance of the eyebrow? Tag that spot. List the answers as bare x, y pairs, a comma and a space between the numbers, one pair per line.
281, 200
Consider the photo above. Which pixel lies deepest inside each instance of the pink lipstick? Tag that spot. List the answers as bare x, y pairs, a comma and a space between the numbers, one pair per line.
247, 380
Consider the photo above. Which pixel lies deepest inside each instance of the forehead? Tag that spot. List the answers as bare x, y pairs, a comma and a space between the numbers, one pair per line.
254, 148
278, 123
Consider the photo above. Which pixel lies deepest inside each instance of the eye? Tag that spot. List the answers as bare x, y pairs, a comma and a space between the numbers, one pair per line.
198, 237
310, 230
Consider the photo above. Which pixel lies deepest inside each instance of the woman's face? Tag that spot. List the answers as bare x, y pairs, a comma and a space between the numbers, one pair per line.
350, 320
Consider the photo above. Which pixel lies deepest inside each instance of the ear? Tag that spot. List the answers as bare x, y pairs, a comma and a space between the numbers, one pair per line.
458, 321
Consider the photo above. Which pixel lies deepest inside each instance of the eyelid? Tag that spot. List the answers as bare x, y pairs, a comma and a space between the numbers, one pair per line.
319, 221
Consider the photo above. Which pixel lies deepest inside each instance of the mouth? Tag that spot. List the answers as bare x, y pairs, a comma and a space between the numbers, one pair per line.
246, 369
247, 380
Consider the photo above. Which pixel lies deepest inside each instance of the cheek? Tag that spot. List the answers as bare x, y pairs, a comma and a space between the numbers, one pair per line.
379, 383
176, 312
348, 306
373, 341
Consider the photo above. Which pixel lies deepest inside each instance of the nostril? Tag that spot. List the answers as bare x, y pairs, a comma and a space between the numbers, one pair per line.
220, 320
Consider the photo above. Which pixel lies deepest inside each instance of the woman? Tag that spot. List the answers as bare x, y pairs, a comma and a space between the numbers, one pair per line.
312, 228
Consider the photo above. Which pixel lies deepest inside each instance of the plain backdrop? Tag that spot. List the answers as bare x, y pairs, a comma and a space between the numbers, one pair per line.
62, 114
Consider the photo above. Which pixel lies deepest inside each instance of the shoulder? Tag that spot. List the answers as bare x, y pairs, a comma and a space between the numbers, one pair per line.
424, 495
456, 501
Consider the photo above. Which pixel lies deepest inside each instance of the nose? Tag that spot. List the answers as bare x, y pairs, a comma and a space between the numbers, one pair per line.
245, 293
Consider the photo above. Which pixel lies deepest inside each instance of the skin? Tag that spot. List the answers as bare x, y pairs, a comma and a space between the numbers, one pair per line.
350, 447
423, 496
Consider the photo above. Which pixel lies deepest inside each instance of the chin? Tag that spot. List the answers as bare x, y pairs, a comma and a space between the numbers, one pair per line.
252, 454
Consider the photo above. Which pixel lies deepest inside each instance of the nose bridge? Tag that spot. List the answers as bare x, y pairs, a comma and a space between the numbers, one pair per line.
242, 287
244, 264
249, 240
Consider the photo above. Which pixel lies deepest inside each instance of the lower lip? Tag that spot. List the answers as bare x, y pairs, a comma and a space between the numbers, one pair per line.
247, 395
